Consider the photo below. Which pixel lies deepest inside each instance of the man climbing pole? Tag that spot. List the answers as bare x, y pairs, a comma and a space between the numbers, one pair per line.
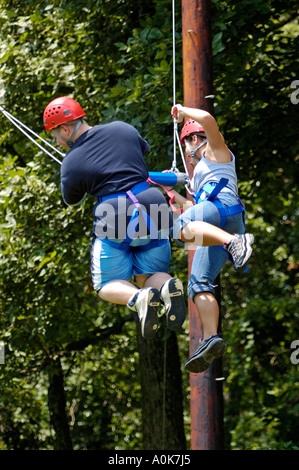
215, 221
131, 219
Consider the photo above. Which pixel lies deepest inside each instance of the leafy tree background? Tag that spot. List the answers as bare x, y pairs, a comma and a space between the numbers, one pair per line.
116, 59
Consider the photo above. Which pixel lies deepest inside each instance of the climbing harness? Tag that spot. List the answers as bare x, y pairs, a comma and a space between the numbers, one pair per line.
210, 191
134, 220
132, 226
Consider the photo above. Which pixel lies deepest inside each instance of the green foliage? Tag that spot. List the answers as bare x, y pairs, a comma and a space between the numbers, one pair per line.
46, 307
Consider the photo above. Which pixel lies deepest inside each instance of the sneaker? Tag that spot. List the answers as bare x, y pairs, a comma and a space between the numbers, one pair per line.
146, 302
172, 294
207, 351
240, 249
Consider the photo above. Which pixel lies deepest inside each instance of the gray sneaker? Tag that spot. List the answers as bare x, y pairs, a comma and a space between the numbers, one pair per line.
172, 294
207, 351
240, 249
146, 302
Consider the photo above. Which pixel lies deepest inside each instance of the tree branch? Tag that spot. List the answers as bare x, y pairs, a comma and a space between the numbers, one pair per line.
100, 334
287, 20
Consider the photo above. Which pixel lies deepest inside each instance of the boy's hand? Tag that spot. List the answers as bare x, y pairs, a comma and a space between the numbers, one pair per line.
177, 112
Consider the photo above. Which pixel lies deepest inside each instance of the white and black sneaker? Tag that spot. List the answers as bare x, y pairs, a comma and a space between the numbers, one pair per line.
207, 351
240, 249
146, 302
172, 295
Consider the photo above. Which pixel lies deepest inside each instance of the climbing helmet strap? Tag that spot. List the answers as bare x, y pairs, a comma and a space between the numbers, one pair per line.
193, 151
69, 141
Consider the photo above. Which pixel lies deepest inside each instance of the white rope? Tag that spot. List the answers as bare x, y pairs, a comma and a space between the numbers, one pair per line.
175, 124
176, 138
21, 126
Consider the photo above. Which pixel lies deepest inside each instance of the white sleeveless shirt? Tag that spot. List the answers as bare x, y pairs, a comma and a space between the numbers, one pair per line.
206, 171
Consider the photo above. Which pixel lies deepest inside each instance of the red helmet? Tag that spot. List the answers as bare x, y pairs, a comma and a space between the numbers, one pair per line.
190, 127
60, 111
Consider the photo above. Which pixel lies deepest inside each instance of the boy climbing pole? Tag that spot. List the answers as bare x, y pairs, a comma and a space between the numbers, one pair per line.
214, 222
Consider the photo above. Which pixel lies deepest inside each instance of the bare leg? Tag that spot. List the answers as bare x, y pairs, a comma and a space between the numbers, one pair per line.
148, 300
208, 310
204, 234
120, 291
157, 280
117, 292
212, 346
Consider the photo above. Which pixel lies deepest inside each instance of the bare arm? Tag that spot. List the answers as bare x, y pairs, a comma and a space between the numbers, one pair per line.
217, 150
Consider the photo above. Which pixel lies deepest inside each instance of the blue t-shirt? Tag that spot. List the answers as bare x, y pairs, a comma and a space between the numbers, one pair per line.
109, 159
106, 159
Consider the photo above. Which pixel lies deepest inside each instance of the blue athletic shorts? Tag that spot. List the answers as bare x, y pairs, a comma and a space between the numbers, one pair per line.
109, 263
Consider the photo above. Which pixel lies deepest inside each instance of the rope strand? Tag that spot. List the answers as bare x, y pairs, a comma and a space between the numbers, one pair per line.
175, 125
176, 139
21, 126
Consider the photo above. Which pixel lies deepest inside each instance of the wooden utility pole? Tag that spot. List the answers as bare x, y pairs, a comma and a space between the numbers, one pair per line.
206, 400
